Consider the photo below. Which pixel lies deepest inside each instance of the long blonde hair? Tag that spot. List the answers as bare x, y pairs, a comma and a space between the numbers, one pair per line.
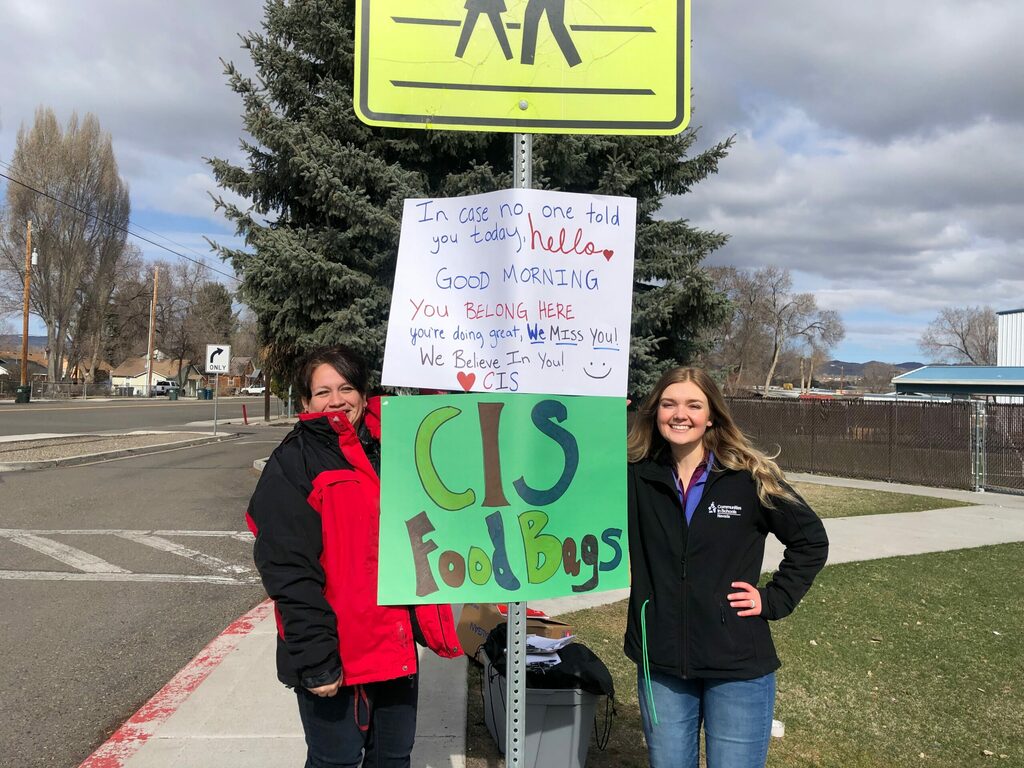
723, 438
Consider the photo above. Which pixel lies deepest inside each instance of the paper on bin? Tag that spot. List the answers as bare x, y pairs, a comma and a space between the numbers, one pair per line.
540, 644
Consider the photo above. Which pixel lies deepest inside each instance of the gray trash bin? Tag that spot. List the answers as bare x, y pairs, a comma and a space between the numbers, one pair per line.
559, 721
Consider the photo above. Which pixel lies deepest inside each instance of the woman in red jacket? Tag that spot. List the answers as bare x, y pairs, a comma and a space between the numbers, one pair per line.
316, 517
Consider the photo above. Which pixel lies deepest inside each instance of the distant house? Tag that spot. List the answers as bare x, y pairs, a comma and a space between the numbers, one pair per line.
240, 373
12, 356
10, 372
132, 375
10, 366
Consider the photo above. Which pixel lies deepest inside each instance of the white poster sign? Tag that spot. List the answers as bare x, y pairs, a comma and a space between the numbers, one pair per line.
521, 290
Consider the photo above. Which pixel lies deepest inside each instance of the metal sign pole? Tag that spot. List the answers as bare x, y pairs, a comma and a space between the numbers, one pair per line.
216, 386
515, 652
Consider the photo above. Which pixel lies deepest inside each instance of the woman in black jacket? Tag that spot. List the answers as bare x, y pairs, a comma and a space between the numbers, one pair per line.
702, 500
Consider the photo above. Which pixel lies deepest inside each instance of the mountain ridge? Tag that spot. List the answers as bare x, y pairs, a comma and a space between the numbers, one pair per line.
848, 368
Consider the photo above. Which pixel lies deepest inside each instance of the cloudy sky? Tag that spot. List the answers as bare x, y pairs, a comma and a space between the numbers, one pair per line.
879, 145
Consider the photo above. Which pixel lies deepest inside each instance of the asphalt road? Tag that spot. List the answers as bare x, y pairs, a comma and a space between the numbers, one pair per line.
122, 415
107, 589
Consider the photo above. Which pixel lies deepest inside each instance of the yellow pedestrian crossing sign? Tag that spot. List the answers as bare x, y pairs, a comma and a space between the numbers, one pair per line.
524, 66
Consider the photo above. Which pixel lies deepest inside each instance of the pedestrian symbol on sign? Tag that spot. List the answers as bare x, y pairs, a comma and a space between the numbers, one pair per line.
493, 10
555, 10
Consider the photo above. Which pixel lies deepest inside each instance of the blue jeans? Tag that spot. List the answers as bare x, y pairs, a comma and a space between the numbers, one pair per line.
736, 714
387, 714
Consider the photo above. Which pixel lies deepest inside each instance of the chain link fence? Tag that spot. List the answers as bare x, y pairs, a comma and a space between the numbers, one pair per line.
1003, 448
917, 443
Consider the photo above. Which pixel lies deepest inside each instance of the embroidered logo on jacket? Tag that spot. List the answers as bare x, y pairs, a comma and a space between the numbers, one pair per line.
724, 511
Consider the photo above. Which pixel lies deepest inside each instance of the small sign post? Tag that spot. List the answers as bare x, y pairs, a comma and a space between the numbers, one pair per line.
218, 360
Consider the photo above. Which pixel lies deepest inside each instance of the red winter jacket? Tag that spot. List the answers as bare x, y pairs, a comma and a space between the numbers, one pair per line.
316, 517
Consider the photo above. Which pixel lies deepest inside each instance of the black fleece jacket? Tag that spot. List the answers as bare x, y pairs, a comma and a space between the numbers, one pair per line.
681, 574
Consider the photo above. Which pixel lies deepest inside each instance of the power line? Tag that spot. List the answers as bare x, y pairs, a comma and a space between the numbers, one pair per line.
116, 226
137, 226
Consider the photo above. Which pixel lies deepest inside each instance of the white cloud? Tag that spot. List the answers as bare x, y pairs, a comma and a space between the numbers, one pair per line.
878, 143
907, 225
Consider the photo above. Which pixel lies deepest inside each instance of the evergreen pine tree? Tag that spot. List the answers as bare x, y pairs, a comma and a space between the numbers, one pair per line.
327, 194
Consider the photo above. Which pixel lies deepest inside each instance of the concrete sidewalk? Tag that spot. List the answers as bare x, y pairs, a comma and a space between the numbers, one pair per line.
227, 710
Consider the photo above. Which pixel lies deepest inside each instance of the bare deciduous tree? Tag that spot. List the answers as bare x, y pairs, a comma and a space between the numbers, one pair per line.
962, 335
815, 354
126, 322
245, 341
193, 312
81, 243
795, 317
767, 321
742, 341
877, 377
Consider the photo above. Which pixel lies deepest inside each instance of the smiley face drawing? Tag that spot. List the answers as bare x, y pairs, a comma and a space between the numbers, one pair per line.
597, 370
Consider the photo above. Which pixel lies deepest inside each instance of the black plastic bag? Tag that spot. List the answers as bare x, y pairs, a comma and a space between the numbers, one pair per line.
579, 668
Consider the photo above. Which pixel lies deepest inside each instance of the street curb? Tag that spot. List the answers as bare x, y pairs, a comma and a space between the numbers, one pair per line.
140, 727
89, 458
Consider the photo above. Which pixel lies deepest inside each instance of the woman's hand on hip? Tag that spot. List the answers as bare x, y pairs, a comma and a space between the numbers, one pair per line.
326, 690
747, 602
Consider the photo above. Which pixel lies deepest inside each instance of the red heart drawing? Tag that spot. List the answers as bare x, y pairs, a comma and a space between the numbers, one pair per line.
466, 380
608, 253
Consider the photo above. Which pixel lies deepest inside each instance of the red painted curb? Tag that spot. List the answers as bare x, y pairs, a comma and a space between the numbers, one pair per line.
141, 726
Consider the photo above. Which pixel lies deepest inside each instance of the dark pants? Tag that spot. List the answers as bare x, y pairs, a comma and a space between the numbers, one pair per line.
334, 738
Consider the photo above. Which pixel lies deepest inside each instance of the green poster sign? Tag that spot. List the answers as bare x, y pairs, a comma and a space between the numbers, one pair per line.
492, 498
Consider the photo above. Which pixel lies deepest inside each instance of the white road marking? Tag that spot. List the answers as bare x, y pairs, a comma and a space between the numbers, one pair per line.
174, 578
38, 436
76, 558
93, 568
166, 545
243, 535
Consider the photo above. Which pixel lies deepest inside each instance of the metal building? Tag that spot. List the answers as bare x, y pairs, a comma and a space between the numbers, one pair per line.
1010, 350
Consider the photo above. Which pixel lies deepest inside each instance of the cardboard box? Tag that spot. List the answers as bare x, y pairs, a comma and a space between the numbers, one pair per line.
478, 619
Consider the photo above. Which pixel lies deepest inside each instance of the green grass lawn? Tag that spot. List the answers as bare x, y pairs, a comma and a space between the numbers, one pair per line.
836, 501
899, 662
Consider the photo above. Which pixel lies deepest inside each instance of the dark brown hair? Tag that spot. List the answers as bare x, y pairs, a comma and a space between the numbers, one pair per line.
345, 360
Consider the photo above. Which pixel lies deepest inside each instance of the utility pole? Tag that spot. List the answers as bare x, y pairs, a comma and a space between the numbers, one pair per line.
24, 326
152, 329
